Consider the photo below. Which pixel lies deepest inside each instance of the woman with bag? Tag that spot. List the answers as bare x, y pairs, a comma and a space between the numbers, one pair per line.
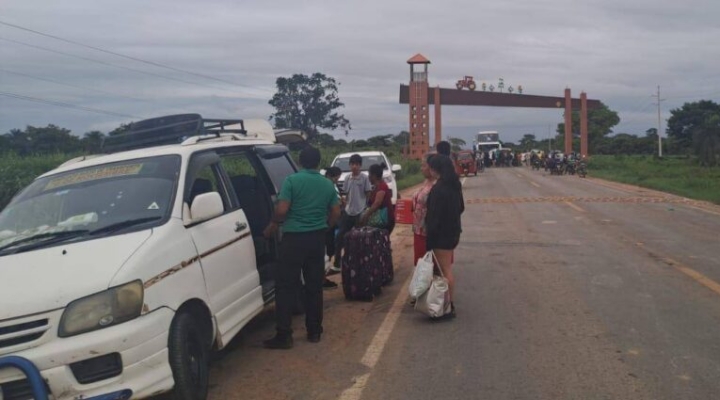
419, 208
444, 206
379, 213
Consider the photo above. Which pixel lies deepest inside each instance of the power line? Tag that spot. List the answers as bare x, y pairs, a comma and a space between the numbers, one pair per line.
65, 105
129, 57
70, 85
113, 65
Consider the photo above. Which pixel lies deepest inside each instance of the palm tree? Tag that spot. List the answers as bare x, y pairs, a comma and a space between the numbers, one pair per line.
706, 139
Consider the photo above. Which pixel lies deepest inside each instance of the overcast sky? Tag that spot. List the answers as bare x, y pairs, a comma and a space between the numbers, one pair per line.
618, 51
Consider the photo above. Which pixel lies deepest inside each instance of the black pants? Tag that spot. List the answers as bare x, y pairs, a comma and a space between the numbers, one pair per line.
347, 222
300, 252
330, 242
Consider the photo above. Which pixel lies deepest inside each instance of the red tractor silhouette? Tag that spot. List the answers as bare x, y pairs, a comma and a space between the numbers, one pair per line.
467, 82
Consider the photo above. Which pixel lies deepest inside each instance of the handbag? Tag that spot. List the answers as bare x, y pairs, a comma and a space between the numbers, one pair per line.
422, 276
378, 219
435, 302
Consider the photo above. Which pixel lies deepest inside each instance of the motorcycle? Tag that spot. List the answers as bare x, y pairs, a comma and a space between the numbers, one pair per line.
536, 164
570, 168
582, 169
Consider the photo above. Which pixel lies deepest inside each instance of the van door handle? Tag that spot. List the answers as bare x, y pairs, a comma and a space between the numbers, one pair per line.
240, 226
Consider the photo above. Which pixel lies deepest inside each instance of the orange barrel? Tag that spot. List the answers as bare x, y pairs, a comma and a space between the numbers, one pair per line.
403, 211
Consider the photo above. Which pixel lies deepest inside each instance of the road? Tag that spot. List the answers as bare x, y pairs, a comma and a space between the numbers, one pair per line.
568, 288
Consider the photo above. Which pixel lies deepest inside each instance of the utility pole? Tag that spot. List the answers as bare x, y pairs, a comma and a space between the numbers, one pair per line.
659, 100
549, 139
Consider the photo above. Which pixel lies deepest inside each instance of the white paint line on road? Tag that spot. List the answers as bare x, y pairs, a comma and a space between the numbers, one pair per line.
519, 176
534, 184
374, 351
574, 207
462, 182
549, 222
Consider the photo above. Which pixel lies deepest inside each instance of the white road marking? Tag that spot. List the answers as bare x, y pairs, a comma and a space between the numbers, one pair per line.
462, 182
534, 184
549, 222
374, 351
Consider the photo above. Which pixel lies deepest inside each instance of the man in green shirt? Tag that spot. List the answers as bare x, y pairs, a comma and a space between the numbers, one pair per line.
307, 206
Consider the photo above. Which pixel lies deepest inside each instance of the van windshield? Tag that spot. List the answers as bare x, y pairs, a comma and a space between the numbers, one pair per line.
344, 162
101, 199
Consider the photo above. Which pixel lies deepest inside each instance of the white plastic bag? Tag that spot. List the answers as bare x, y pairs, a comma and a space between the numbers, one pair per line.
422, 276
435, 302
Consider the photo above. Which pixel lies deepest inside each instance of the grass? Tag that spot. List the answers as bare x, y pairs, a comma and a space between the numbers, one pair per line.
681, 176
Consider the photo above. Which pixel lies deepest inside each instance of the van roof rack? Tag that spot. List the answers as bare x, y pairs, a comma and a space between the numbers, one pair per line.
171, 129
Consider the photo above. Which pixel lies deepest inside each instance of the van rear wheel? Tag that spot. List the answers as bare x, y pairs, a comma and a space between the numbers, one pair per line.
189, 358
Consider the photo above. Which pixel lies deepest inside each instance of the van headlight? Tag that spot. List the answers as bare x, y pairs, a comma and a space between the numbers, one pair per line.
100, 310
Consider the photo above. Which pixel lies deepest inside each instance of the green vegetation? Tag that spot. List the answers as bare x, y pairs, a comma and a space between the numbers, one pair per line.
17, 172
678, 175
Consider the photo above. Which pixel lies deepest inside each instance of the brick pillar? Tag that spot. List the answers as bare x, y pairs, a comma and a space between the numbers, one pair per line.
568, 121
419, 119
438, 116
583, 124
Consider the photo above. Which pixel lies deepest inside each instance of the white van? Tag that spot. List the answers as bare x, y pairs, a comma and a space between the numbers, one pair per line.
120, 273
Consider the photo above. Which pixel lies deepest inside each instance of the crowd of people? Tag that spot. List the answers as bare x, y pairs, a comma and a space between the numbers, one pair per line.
316, 217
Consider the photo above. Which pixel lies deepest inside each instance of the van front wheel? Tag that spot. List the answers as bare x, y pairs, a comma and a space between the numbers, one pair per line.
189, 358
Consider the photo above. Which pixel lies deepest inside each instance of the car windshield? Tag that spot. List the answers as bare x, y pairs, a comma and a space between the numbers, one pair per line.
344, 162
105, 198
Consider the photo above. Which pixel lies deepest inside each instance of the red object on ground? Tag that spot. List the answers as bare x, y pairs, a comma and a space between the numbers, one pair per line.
403, 211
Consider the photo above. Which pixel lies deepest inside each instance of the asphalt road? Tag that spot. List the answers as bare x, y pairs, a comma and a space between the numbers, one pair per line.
568, 288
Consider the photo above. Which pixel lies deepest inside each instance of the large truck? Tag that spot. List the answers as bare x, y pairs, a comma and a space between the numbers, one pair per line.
487, 141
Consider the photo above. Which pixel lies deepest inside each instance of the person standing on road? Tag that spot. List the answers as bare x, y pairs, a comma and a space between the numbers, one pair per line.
419, 208
307, 206
444, 148
442, 221
357, 188
379, 200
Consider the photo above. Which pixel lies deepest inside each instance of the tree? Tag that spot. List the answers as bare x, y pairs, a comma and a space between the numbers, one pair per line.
401, 139
120, 129
308, 103
528, 142
380, 141
600, 123
682, 122
323, 140
706, 140
92, 142
456, 143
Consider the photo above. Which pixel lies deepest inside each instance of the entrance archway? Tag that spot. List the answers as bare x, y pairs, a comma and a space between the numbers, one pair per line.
419, 96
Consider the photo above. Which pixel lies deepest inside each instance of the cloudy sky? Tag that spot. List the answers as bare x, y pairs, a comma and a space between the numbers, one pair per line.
618, 51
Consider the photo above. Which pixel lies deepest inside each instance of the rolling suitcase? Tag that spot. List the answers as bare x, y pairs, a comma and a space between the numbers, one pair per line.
362, 263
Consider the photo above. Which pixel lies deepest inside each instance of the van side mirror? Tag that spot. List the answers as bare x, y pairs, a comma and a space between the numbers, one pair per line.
205, 206
396, 167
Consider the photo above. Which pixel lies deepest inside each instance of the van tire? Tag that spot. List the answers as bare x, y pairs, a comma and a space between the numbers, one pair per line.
189, 358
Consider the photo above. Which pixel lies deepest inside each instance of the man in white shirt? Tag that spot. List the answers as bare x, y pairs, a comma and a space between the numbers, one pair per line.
357, 188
